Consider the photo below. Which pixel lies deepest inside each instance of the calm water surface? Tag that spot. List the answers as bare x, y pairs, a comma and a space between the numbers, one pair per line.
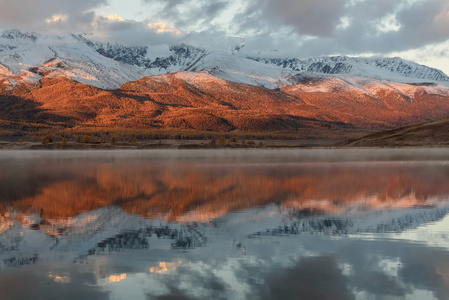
267, 224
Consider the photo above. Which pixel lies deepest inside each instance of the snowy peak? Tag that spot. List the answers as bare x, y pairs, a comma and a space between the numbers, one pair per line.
128, 55
11, 34
27, 57
160, 60
182, 58
376, 68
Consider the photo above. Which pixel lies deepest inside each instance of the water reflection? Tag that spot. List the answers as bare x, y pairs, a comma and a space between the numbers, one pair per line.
195, 192
225, 229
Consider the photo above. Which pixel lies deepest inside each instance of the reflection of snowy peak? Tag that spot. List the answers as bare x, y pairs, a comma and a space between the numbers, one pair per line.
395, 221
102, 231
27, 57
109, 230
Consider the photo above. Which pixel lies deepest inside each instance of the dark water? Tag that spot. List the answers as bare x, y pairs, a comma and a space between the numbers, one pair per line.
309, 224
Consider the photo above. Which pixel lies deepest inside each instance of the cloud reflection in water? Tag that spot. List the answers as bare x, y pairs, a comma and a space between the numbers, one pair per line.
232, 229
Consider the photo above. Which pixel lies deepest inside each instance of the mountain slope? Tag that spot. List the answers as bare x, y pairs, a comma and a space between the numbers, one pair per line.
186, 101
430, 133
202, 102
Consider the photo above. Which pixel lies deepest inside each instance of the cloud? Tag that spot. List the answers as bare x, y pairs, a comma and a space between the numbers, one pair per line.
294, 28
189, 14
315, 28
30, 14
117, 29
80, 17
162, 28
308, 17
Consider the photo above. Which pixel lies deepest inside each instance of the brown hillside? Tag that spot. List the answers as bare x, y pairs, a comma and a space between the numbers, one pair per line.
431, 133
201, 102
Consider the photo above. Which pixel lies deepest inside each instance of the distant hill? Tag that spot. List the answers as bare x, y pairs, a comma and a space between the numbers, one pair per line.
430, 133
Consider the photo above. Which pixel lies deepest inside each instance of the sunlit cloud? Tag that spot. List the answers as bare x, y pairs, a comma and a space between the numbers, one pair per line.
115, 18
163, 28
57, 18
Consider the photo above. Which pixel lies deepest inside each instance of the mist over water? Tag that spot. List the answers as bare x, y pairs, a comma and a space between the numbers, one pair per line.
226, 155
238, 224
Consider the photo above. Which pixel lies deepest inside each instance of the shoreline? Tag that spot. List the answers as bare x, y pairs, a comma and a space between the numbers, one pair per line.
169, 144
204, 145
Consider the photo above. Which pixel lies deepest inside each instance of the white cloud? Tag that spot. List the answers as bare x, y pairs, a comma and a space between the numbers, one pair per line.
388, 23
344, 23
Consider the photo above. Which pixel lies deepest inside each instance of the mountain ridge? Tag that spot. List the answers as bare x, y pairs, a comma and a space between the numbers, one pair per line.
84, 57
354, 66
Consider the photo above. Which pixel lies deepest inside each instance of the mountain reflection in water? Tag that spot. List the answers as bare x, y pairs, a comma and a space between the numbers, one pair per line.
196, 192
232, 228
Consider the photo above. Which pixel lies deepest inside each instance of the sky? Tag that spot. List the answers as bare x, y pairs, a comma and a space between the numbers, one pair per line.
417, 30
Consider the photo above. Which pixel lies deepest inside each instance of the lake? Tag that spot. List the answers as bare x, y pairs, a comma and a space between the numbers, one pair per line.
225, 224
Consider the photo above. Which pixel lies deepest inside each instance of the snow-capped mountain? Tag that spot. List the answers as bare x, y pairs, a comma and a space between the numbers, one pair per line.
211, 90
376, 68
26, 57
174, 59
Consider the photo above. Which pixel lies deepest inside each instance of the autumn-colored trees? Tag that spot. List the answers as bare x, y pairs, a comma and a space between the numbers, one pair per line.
47, 140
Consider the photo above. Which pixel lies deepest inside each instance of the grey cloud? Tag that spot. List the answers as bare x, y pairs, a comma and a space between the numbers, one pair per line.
418, 27
78, 17
272, 27
33, 14
309, 17
185, 13
132, 33
420, 23
426, 21
371, 10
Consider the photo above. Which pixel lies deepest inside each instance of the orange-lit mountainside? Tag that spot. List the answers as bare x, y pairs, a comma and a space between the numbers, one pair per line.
71, 84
